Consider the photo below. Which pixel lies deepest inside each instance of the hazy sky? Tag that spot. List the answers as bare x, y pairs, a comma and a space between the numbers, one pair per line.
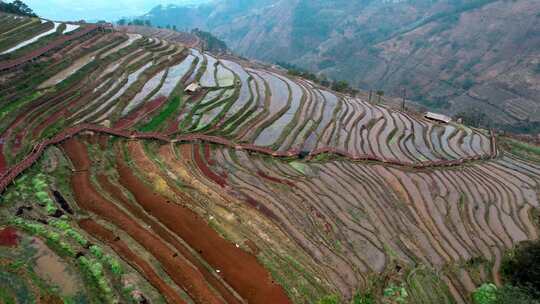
109, 10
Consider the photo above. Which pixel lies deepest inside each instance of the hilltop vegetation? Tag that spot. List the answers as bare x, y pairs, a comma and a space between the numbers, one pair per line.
210, 42
17, 7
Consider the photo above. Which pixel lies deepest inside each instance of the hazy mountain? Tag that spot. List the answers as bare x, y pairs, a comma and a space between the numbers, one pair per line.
452, 55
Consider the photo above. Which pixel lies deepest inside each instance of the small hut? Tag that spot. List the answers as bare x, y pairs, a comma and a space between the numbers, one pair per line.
106, 27
192, 88
437, 117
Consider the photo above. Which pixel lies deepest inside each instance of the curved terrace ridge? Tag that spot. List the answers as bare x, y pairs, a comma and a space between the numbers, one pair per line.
14, 171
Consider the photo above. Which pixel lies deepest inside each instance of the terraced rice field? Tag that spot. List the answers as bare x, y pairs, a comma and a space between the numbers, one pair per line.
256, 188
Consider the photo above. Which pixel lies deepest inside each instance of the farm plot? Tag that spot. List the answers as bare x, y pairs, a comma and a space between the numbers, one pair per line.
208, 78
273, 132
175, 75
245, 93
131, 39
33, 39
146, 92
439, 217
76, 66
235, 273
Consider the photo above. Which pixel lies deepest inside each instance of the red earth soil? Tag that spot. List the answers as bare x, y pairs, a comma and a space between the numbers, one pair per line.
275, 179
222, 181
9, 237
134, 260
238, 268
177, 267
119, 196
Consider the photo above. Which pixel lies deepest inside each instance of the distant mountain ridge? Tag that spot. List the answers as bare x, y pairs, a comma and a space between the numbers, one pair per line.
456, 57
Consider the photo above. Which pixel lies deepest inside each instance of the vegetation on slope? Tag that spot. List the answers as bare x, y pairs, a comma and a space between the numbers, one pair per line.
521, 269
522, 149
17, 7
210, 42
521, 273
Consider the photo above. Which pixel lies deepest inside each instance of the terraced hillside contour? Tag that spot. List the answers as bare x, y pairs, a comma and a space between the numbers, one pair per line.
254, 188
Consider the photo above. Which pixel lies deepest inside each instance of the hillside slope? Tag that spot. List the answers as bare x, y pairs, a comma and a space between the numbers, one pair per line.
137, 169
452, 56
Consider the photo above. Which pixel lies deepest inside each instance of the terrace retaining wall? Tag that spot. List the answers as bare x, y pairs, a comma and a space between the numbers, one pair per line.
11, 173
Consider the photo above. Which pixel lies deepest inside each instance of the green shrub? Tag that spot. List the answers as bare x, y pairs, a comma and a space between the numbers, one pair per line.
50, 208
77, 237
485, 294
397, 294
94, 270
330, 299
60, 224
169, 108
42, 196
114, 265
363, 299
96, 251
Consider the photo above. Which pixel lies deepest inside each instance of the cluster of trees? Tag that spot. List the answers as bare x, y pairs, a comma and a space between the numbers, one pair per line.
475, 118
141, 22
17, 7
336, 85
521, 273
211, 42
138, 22
521, 268
171, 27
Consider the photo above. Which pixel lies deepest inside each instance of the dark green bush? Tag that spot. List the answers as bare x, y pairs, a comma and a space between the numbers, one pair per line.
521, 267
515, 295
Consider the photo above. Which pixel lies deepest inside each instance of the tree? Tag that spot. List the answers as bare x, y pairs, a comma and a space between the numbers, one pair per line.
340, 86
380, 94
121, 22
22, 7
211, 42
485, 294
147, 23
138, 22
17, 7
521, 268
